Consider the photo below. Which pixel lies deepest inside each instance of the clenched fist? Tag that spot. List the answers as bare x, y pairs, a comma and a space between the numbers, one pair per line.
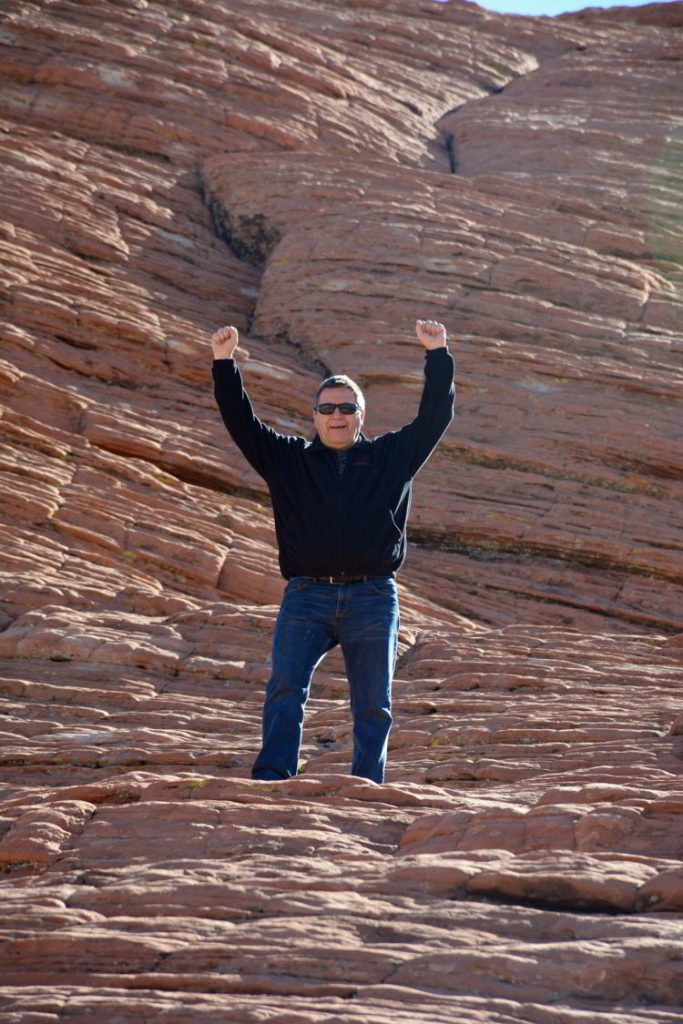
430, 333
224, 342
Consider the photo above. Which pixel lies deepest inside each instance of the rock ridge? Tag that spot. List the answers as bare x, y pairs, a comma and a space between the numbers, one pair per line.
320, 175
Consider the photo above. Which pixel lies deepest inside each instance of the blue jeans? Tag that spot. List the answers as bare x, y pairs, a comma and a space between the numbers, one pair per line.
314, 617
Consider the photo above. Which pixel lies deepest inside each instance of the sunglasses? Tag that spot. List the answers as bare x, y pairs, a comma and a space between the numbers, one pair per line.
327, 408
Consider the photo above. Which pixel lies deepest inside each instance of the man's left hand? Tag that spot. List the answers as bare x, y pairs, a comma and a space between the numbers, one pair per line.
430, 333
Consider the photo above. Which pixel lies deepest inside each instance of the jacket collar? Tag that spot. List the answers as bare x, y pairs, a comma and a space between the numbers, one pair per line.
317, 445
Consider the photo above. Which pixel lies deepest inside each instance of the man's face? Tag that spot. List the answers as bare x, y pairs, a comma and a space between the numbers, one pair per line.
338, 430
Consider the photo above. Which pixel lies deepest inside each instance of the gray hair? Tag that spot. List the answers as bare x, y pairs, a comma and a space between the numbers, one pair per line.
340, 380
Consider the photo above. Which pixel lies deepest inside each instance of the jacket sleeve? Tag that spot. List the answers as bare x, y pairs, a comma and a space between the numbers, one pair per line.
261, 445
419, 438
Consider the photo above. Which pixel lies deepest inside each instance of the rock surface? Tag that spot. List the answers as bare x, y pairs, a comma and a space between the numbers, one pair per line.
320, 175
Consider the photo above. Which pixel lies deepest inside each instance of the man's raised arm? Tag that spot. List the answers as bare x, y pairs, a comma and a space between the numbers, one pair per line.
438, 395
260, 445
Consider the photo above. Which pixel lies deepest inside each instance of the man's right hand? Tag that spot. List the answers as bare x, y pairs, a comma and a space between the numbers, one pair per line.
224, 342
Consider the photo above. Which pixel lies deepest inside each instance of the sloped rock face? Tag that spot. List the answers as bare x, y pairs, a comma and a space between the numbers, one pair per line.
321, 175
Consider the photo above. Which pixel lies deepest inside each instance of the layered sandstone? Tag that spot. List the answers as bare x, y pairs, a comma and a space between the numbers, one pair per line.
320, 175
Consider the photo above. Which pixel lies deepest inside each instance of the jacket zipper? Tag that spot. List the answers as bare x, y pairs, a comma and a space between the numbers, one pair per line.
339, 498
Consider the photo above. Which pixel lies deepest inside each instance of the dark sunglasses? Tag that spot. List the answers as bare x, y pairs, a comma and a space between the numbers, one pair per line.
327, 408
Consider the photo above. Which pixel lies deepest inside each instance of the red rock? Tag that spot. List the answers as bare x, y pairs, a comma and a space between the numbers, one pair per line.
568, 880
664, 892
289, 168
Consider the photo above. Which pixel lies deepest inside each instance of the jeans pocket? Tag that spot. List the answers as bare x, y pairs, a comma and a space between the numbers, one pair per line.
298, 583
385, 587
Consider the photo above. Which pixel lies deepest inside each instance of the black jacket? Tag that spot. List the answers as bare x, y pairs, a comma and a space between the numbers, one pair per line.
327, 524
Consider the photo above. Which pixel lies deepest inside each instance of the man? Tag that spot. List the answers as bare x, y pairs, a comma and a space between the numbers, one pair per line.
340, 504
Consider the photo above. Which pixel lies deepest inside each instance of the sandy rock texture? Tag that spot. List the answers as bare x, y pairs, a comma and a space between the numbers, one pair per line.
322, 174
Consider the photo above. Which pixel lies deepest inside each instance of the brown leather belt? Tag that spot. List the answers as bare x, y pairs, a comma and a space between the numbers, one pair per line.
342, 579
